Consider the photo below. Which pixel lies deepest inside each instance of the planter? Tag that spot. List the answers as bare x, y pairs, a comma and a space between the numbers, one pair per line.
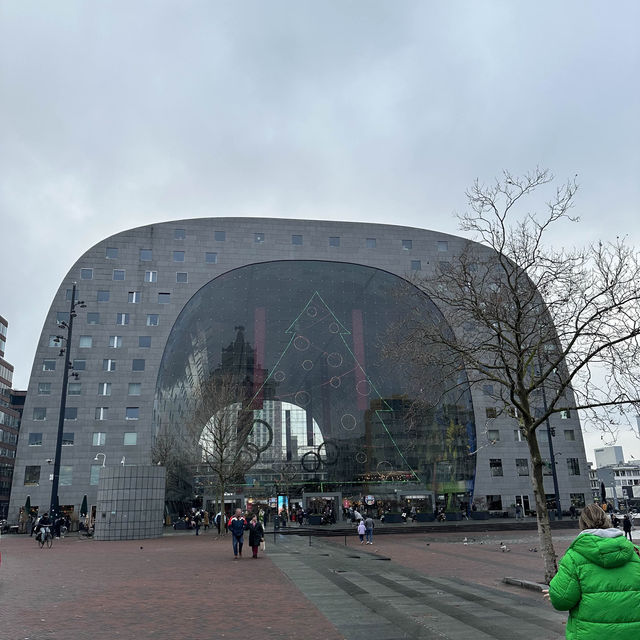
392, 518
479, 515
453, 515
425, 517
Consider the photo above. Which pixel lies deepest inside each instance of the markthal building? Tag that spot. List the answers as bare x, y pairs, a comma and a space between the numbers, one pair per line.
299, 314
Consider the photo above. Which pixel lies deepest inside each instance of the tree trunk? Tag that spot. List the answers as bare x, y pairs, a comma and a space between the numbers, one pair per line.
542, 514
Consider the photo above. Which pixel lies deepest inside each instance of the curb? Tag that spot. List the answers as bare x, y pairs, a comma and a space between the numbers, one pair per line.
525, 584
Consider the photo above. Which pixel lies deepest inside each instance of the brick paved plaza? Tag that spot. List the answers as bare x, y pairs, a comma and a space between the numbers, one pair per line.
183, 586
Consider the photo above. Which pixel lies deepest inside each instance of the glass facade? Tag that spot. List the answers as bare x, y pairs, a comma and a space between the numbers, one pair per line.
329, 410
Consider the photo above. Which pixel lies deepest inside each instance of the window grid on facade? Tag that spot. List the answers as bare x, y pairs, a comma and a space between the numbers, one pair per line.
151, 276
495, 467
111, 253
119, 274
182, 277
296, 239
522, 466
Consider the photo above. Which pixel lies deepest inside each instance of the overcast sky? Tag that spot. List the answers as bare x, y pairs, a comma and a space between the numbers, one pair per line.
117, 114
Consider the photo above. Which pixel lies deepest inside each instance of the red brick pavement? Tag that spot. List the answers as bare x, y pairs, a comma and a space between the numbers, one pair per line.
175, 587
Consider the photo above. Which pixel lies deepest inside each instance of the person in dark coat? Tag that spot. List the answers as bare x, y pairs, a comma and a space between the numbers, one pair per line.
256, 534
626, 526
237, 524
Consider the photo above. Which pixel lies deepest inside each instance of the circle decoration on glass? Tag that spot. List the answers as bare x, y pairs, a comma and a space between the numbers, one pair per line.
312, 312
301, 343
310, 461
335, 382
348, 422
384, 467
269, 430
289, 470
361, 457
279, 376
334, 327
334, 359
328, 452
302, 398
363, 387
307, 365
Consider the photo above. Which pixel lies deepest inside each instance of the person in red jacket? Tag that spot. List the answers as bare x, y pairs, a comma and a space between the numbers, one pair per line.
237, 525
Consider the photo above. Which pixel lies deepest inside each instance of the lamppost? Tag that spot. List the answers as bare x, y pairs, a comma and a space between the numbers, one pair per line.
54, 508
104, 458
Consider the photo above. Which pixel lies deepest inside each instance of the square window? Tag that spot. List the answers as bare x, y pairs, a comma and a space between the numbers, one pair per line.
220, 236
407, 245
32, 476
74, 388
137, 364
101, 413
487, 389
62, 316
153, 320
144, 342
71, 413
146, 255
443, 245
495, 467
115, 342
55, 341
93, 317
119, 274
522, 466
39, 413
44, 388
133, 297
179, 234
132, 413
104, 389
494, 503
85, 342
111, 253
48, 365
416, 265
573, 466
66, 473
130, 438
258, 238
151, 276
182, 277
565, 414
296, 239
370, 243
491, 412
69, 293
35, 439
79, 365
94, 478
178, 256
135, 388
99, 439
103, 295
164, 298
211, 257
493, 435
68, 438
569, 434
86, 274
334, 241
122, 318
108, 365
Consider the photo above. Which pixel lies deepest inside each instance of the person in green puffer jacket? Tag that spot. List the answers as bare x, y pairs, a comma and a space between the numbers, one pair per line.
598, 582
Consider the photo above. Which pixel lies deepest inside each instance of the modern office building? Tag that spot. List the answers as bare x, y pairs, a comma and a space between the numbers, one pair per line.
608, 456
299, 312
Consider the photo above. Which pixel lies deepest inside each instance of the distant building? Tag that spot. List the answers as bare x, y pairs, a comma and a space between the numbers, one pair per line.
608, 456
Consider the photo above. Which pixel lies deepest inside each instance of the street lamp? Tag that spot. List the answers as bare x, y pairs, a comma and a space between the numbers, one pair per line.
104, 458
54, 508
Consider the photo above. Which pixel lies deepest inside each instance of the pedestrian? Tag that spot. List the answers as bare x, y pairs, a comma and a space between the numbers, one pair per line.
237, 524
361, 531
572, 512
368, 529
518, 512
626, 526
217, 519
197, 521
205, 520
256, 535
598, 581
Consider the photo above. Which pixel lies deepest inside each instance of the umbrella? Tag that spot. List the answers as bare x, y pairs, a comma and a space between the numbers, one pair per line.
83, 508
603, 493
27, 505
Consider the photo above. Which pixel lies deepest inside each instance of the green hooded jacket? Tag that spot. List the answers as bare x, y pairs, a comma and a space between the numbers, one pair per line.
598, 582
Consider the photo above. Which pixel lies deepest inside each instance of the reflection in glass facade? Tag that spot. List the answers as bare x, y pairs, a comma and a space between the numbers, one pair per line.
307, 337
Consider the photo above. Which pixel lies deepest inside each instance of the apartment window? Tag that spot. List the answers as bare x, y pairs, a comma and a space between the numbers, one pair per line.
119, 274
93, 317
32, 476
68, 293
134, 297
130, 438
115, 342
153, 320
407, 245
79, 365
258, 238
151, 276
111, 253
103, 295
490, 412
122, 318
182, 277
211, 257
573, 466
94, 477
370, 243
569, 434
85, 342
522, 466
443, 245
66, 475
334, 241
48, 365
164, 298
44, 388
179, 234
54, 341
74, 388
487, 389
135, 388
86, 274
494, 503
493, 435
62, 316
146, 255
296, 239
104, 389
144, 342
220, 236
132, 413
546, 467
99, 438
39, 413
101, 413
71, 413
137, 364
565, 414
178, 256
577, 500
495, 467
35, 439
108, 364
68, 438
416, 265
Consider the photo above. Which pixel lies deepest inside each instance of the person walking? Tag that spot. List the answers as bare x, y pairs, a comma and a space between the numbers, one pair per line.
598, 581
361, 531
237, 525
368, 529
197, 521
205, 520
256, 535
626, 526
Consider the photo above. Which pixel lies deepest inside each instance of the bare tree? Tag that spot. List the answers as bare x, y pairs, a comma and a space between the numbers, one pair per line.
548, 330
177, 455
